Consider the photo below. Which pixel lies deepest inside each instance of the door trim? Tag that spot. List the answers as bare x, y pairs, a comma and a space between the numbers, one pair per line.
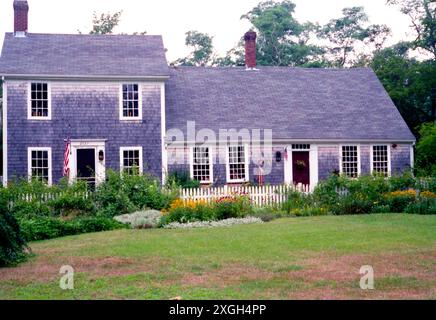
313, 165
100, 166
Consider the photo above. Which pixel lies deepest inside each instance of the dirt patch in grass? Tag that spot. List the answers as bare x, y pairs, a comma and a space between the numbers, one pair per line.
397, 275
45, 268
227, 275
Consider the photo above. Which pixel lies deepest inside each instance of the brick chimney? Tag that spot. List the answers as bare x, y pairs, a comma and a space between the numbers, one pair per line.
250, 49
21, 9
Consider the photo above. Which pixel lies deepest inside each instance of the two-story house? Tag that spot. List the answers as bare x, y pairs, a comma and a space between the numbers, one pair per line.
115, 98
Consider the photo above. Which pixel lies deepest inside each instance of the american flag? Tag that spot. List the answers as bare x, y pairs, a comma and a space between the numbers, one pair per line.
66, 170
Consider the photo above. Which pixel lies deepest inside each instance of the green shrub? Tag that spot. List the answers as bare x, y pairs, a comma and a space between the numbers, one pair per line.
232, 207
181, 179
422, 206
43, 228
399, 200
12, 242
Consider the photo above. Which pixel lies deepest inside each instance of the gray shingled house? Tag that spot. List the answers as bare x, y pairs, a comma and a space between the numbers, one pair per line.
120, 105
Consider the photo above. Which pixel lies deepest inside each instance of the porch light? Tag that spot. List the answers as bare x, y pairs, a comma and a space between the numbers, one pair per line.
278, 156
101, 155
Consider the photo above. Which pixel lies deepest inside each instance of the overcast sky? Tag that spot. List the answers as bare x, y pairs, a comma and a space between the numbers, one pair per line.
172, 18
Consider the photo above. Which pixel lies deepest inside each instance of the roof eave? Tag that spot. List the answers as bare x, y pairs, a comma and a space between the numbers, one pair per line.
82, 77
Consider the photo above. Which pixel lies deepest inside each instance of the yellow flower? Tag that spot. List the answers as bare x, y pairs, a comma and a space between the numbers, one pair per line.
428, 194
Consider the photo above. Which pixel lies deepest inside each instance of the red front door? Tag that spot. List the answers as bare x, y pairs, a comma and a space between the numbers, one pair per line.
300, 167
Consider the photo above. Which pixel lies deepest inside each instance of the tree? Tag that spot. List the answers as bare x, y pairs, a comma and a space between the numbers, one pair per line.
202, 50
410, 83
426, 150
422, 14
346, 32
105, 23
281, 39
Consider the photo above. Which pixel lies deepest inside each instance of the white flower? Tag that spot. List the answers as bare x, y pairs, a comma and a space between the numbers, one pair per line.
213, 224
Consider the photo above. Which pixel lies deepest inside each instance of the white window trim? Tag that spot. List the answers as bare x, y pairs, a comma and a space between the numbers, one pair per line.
122, 149
29, 162
372, 157
29, 101
191, 163
247, 165
122, 117
359, 168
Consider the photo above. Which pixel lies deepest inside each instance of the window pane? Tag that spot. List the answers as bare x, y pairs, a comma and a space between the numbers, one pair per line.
130, 100
39, 99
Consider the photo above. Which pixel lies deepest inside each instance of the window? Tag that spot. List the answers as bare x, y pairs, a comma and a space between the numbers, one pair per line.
350, 165
380, 159
237, 170
130, 102
131, 159
39, 164
39, 101
201, 164
301, 146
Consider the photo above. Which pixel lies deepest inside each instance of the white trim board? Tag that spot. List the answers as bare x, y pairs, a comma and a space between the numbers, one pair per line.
5, 133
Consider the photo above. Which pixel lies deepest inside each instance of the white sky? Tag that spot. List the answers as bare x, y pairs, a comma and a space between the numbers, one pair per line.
172, 18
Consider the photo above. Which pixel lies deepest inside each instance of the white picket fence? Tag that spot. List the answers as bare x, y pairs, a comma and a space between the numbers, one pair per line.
259, 195
45, 197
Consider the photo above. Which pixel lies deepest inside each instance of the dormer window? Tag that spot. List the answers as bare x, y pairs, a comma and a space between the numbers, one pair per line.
131, 105
39, 104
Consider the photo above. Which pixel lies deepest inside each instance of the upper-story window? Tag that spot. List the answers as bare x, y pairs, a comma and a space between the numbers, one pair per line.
130, 108
350, 164
201, 164
380, 159
237, 164
39, 101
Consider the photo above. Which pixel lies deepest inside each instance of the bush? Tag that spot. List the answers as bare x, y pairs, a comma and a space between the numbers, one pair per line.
43, 228
12, 243
237, 206
399, 200
126, 193
141, 219
422, 206
181, 179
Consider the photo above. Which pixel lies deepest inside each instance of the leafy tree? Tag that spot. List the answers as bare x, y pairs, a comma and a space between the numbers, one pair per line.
346, 32
422, 14
426, 150
202, 50
410, 83
105, 23
281, 39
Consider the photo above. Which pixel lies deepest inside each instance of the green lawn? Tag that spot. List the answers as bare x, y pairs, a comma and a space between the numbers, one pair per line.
295, 258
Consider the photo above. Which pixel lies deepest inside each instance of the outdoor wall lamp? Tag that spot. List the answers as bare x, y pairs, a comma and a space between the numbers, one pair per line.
278, 156
101, 155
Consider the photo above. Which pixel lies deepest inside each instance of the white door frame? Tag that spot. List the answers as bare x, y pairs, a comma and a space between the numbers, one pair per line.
313, 165
100, 166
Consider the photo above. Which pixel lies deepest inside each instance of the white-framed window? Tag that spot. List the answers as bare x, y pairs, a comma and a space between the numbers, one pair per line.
130, 158
380, 159
237, 163
350, 160
201, 164
39, 101
130, 101
301, 146
39, 164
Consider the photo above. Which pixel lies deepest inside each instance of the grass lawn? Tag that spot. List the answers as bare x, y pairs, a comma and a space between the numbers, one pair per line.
294, 258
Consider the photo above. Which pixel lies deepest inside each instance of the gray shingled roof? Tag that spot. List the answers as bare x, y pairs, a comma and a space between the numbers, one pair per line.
83, 55
296, 103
